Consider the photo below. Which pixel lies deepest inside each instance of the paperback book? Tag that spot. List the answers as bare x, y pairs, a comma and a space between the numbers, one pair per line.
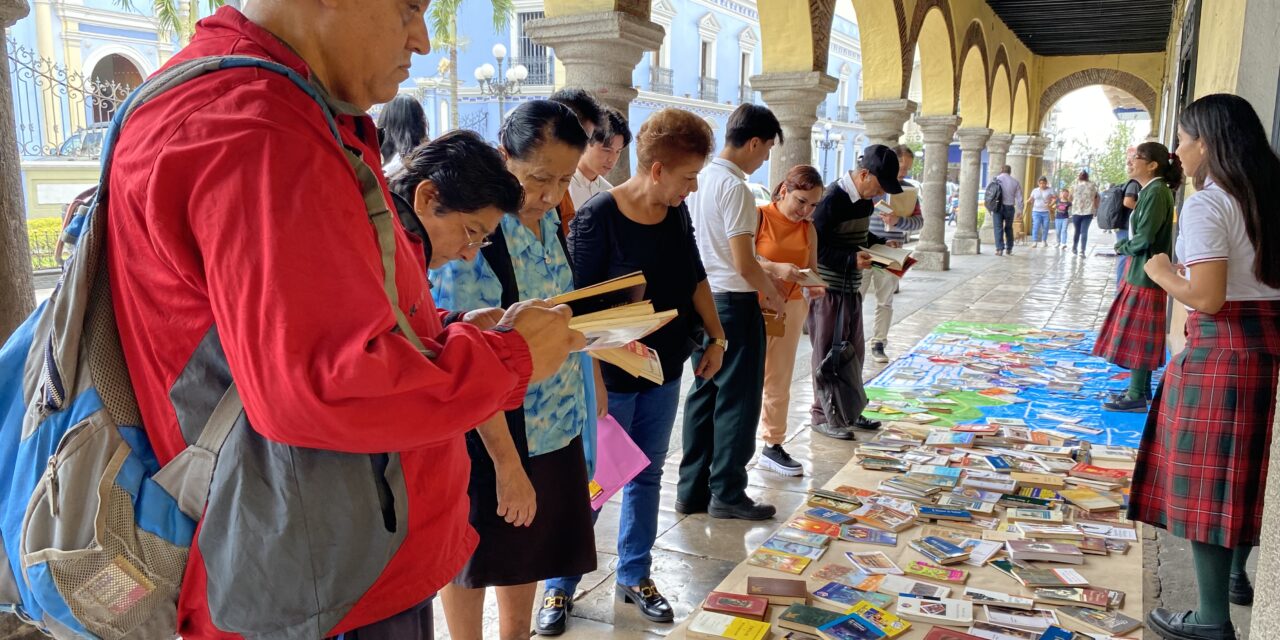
806, 619
737, 604
778, 561
873, 562
1112, 622
868, 535
943, 611
778, 591
709, 624
936, 573
998, 598
890, 625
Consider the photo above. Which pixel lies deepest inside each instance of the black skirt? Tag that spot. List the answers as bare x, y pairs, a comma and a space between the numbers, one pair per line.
561, 539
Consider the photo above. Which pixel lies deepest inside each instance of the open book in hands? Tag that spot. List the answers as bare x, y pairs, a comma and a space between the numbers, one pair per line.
895, 261
613, 318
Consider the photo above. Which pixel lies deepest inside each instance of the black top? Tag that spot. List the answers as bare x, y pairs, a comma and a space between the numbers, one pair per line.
605, 244
1131, 190
842, 225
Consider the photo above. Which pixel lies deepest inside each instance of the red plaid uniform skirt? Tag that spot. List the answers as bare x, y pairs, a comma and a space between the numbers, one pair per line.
1133, 334
1202, 466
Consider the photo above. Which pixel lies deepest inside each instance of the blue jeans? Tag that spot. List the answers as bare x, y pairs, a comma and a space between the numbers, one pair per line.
1081, 238
1002, 223
1061, 225
1039, 226
647, 417
1121, 234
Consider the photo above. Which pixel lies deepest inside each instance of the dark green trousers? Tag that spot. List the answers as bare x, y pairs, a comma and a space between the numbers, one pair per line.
722, 414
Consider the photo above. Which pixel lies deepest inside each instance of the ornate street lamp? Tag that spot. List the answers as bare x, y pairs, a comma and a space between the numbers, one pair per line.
827, 143
500, 88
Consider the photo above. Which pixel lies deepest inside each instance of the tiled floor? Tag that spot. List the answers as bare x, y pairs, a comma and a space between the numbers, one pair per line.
1038, 287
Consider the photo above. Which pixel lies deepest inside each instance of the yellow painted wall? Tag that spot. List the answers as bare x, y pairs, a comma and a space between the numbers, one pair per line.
58, 177
786, 37
1021, 122
1218, 55
556, 8
937, 66
1001, 99
973, 108
881, 46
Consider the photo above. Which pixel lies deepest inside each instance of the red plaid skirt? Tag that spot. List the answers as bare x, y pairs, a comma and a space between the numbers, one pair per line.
1202, 466
1133, 334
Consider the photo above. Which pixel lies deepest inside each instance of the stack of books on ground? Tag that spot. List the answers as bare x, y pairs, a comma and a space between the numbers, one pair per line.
614, 316
1033, 511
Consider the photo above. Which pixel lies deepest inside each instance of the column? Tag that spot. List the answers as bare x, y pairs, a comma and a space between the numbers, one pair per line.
793, 98
1035, 164
600, 50
1019, 161
932, 254
997, 152
972, 140
15, 255
884, 119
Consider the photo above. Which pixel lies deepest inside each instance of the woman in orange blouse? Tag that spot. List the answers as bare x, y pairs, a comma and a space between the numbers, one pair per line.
787, 237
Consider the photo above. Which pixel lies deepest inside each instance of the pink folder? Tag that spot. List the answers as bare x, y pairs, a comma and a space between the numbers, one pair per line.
618, 460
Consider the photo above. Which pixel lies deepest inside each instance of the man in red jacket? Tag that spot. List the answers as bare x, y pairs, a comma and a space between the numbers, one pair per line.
239, 248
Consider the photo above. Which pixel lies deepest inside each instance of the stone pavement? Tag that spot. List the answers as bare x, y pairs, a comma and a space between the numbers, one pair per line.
1038, 287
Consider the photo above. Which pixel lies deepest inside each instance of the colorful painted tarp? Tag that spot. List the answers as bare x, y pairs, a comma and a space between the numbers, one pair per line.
967, 372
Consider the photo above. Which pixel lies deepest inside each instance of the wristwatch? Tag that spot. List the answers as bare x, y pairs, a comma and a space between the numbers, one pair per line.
718, 342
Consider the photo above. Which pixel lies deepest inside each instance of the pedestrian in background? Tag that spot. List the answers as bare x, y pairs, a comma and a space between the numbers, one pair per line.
1002, 217
1202, 466
1084, 203
403, 125
893, 228
1061, 216
1040, 205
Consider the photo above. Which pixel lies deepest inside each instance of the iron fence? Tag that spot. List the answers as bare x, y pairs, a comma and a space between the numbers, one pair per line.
59, 113
542, 69
709, 89
477, 121
661, 80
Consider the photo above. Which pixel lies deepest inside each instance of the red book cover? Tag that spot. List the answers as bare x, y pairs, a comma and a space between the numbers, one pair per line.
737, 604
938, 633
1083, 470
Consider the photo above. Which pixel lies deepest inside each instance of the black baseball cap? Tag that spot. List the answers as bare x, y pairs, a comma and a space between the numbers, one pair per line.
882, 162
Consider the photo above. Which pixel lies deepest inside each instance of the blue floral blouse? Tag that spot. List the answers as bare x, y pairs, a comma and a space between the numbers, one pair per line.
559, 408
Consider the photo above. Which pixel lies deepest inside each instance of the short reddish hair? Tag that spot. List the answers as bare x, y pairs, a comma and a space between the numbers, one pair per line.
801, 177
671, 135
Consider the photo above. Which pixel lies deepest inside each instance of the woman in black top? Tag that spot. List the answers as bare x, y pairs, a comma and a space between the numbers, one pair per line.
643, 225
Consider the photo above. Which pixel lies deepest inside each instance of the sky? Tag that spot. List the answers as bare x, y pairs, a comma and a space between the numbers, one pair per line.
1085, 114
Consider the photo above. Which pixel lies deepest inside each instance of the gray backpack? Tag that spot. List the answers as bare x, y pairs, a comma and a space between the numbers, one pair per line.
95, 534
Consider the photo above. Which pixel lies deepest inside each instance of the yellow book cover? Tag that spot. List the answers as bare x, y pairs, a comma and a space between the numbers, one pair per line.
891, 625
708, 624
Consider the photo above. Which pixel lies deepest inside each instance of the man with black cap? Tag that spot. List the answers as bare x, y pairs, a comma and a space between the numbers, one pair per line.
835, 320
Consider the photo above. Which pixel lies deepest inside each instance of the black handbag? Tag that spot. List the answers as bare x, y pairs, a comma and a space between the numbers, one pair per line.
839, 375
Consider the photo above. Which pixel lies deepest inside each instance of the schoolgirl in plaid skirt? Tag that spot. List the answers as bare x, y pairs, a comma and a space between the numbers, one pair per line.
1202, 467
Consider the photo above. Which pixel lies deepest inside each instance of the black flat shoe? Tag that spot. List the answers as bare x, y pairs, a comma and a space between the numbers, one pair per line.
832, 431
747, 509
866, 423
1240, 590
691, 507
1174, 626
1126, 405
652, 605
551, 618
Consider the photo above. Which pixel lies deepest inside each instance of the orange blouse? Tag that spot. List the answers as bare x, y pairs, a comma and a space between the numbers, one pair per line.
783, 240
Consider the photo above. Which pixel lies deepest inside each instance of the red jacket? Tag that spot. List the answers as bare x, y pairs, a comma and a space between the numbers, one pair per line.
231, 204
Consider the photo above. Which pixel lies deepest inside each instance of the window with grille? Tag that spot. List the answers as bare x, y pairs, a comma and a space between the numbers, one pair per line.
535, 57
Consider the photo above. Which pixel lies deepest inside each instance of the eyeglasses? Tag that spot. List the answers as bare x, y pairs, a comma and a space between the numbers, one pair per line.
474, 244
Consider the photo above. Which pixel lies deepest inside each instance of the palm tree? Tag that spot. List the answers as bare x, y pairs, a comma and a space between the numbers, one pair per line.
444, 34
176, 17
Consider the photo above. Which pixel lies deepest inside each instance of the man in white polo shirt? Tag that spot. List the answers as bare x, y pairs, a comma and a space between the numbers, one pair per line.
722, 413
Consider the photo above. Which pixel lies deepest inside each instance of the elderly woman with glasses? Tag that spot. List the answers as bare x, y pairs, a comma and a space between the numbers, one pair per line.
529, 498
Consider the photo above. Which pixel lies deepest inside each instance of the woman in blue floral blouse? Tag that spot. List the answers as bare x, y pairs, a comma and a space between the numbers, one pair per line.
529, 496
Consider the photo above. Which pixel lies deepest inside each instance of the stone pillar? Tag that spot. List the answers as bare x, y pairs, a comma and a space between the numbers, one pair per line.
600, 50
966, 240
15, 255
1019, 161
1266, 599
793, 98
997, 153
931, 253
884, 119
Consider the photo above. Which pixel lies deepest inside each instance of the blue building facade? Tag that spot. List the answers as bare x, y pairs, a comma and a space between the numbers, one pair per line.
711, 51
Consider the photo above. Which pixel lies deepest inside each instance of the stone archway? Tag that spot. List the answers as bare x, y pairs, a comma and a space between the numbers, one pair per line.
933, 32
1001, 92
972, 71
1124, 81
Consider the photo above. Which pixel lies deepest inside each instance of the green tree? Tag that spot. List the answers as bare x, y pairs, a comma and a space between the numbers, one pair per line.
1108, 166
443, 15
176, 17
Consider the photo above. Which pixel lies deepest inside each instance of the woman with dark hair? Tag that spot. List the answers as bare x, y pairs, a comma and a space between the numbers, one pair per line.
403, 125
1202, 465
1133, 334
788, 239
643, 225
529, 498
1084, 202
452, 194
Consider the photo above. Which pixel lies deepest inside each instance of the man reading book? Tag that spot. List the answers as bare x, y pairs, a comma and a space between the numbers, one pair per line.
842, 220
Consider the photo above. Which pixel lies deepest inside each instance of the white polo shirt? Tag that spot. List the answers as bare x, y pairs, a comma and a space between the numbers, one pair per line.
581, 189
723, 208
